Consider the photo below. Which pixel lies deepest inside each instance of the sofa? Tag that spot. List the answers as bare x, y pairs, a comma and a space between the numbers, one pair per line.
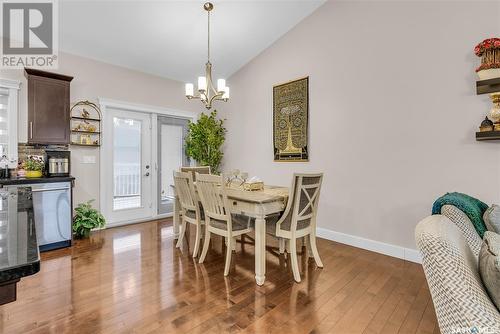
449, 246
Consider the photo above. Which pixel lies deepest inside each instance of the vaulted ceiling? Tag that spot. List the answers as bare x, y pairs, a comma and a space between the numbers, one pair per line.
169, 38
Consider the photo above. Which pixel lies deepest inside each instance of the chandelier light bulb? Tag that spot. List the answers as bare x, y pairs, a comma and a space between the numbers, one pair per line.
189, 89
221, 85
202, 84
226, 94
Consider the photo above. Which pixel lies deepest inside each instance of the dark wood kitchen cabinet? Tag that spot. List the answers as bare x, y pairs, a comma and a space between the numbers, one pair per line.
48, 107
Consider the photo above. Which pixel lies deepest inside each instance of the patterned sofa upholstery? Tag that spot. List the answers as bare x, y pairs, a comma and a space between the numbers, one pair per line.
449, 253
460, 219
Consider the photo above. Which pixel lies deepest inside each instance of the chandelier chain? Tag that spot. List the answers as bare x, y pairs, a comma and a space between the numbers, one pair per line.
208, 46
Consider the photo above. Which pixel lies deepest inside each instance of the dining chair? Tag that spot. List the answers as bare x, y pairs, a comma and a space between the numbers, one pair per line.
299, 218
218, 219
190, 208
194, 170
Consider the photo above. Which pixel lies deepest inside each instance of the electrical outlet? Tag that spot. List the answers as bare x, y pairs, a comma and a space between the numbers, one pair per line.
89, 159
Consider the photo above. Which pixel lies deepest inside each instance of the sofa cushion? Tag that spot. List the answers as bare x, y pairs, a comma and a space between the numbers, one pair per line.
489, 265
491, 218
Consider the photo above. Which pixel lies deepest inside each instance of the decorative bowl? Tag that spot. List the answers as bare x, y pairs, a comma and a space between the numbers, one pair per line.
33, 174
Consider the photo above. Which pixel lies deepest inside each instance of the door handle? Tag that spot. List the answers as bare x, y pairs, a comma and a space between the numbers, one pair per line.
147, 174
49, 189
31, 130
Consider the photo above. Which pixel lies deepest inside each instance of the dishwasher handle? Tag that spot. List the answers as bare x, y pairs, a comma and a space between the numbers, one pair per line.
49, 189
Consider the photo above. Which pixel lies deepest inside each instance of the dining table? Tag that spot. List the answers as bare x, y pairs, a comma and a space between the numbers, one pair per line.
258, 204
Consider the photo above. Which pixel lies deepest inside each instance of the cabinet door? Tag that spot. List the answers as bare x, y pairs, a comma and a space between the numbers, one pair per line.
48, 111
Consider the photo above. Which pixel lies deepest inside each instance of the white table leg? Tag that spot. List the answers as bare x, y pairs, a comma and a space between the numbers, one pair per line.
177, 217
260, 250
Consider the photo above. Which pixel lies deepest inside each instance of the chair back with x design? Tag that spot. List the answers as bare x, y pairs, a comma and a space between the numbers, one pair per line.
302, 204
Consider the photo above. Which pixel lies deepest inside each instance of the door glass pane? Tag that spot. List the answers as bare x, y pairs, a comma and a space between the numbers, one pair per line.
4, 136
172, 144
126, 163
172, 132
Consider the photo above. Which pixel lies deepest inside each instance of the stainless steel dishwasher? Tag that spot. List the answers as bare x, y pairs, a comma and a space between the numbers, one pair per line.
52, 208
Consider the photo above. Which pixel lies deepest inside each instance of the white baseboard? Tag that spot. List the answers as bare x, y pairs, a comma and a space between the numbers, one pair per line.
407, 254
136, 221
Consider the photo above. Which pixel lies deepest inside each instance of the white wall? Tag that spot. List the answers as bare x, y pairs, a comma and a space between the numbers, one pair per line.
94, 79
393, 111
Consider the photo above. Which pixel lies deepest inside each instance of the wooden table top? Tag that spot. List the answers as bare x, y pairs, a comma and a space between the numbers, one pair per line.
269, 194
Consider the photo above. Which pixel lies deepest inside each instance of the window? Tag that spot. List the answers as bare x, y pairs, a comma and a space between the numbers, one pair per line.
8, 120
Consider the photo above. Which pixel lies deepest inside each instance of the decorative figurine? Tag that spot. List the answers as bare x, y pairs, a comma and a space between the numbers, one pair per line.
85, 113
486, 125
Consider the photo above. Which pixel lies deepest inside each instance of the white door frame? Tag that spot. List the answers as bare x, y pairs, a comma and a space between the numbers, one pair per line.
154, 111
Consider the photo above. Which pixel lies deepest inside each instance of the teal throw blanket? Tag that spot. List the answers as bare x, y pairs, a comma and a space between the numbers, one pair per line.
472, 207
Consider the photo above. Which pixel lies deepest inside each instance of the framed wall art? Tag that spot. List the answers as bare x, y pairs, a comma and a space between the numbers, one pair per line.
291, 120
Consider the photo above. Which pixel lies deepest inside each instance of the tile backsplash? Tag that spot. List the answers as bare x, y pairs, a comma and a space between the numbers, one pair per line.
25, 150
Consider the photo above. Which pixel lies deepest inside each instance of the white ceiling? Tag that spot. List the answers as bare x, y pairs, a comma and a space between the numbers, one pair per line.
169, 38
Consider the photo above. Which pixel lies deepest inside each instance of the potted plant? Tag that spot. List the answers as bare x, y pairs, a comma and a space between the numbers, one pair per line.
34, 166
489, 51
86, 219
204, 141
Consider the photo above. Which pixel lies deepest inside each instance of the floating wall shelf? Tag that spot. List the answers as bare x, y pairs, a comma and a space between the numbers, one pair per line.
488, 135
488, 86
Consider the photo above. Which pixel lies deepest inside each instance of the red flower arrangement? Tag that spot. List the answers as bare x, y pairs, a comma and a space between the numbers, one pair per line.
489, 51
487, 44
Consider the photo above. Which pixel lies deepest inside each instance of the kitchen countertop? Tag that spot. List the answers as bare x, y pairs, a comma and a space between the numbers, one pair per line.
19, 255
16, 180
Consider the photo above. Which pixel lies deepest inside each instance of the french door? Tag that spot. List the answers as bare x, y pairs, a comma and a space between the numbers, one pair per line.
171, 155
127, 170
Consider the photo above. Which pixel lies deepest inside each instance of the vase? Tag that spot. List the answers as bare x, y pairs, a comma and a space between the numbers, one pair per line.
489, 74
32, 174
495, 111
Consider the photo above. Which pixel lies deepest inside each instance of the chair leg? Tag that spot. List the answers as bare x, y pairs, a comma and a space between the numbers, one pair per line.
229, 252
205, 246
281, 243
307, 244
181, 234
314, 249
197, 242
294, 261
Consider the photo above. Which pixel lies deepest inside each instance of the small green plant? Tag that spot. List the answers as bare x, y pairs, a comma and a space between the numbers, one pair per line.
33, 163
86, 219
205, 139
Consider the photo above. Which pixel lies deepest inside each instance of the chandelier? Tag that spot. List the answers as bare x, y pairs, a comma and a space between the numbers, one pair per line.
206, 90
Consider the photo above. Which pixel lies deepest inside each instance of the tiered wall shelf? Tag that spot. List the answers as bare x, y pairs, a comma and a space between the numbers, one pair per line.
487, 87
85, 124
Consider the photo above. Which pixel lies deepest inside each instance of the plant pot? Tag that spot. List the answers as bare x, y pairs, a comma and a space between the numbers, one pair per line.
489, 74
32, 174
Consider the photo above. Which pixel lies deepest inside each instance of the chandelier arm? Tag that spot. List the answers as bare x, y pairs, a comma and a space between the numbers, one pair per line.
215, 97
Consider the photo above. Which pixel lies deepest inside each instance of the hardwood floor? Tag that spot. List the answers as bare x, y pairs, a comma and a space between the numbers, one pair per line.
133, 280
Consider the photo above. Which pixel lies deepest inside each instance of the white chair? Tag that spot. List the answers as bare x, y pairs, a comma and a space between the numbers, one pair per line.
196, 169
299, 218
190, 208
218, 219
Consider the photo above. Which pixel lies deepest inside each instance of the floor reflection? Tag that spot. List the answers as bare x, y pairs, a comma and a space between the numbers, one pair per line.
133, 279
